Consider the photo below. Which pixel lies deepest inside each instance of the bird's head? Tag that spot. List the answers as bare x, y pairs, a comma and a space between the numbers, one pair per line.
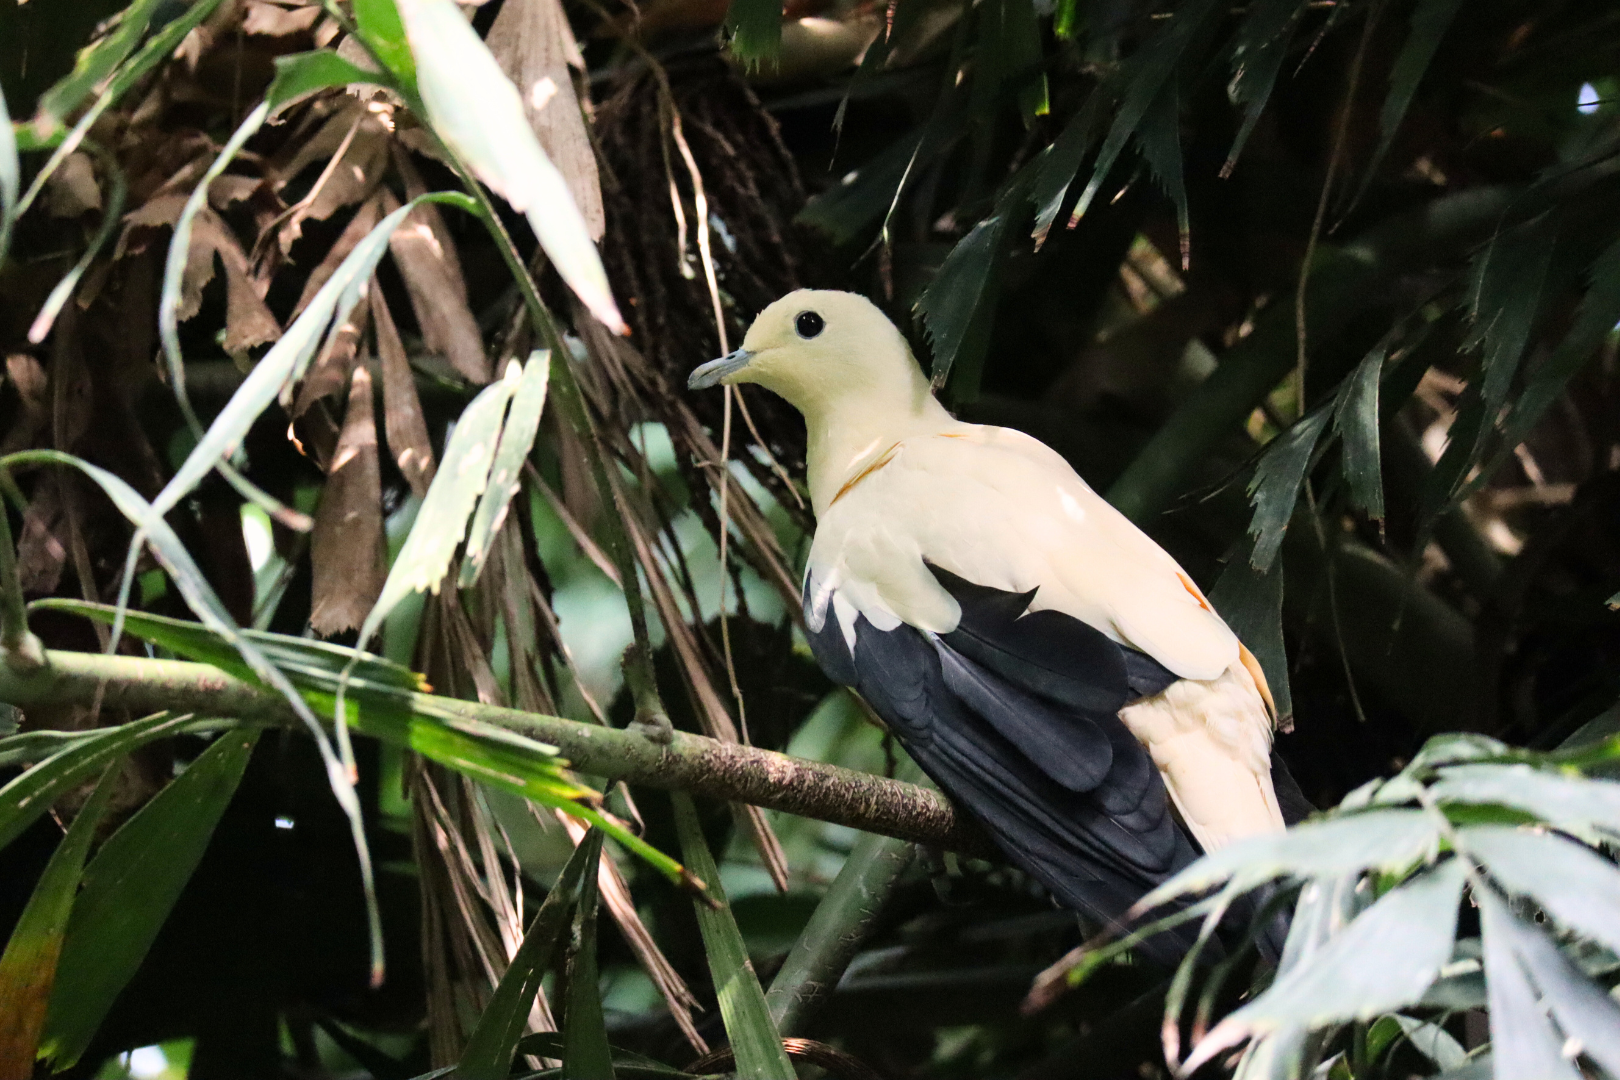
822, 350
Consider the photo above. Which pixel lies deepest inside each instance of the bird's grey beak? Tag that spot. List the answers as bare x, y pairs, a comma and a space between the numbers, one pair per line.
715, 371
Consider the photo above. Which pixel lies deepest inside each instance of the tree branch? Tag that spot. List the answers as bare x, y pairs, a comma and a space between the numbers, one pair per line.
702, 766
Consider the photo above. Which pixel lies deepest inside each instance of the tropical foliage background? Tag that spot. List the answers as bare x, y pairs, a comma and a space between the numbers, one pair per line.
367, 322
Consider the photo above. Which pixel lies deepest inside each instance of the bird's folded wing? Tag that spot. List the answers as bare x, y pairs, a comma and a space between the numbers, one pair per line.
998, 509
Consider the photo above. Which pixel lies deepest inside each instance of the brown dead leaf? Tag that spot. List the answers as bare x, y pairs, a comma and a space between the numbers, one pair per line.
354, 142
365, 219
72, 189
329, 373
278, 20
248, 321
40, 551
347, 549
27, 376
438, 292
403, 421
532, 42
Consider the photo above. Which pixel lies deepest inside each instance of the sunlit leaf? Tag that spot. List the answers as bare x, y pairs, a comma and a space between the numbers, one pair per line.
302, 74
129, 889
517, 440
1523, 1041
1574, 884
112, 215
1385, 840
476, 110
754, 1040
28, 966
463, 473
1275, 487
1580, 806
384, 34
1381, 962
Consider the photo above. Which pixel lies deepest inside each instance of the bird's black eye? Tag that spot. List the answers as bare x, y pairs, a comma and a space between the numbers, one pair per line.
809, 324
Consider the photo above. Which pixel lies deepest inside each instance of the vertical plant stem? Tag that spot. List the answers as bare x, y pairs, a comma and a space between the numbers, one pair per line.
840, 925
23, 652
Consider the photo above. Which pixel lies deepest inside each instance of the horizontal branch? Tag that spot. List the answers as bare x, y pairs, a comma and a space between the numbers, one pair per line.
702, 766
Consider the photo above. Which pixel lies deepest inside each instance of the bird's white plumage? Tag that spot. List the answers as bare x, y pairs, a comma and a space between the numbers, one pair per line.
897, 483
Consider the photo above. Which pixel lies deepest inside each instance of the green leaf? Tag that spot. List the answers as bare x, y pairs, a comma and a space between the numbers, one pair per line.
755, 27
28, 967
1257, 58
1523, 1042
754, 1040
1508, 277
309, 662
1275, 487
1055, 167
1250, 601
28, 796
305, 73
1383, 840
475, 109
1431, 1040
490, 1048
383, 32
461, 478
1594, 321
1574, 884
517, 440
157, 48
586, 1054
1355, 416
1022, 58
1430, 20
130, 888
1580, 1006
1384, 960
1586, 808
1159, 137
1144, 77
96, 62
862, 196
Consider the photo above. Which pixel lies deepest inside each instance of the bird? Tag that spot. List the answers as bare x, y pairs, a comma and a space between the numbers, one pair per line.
1044, 661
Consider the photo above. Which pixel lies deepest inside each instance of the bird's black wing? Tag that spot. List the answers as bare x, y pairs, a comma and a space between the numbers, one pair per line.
1016, 716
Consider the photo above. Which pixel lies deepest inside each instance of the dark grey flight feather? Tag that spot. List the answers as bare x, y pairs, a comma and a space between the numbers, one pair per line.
1016, 715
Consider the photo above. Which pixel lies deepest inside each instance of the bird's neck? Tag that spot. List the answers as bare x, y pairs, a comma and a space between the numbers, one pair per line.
853, 434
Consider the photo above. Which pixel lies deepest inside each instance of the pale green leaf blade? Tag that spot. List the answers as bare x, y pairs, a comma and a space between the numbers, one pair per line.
112, 215
1386, 840
1575, 885
130, 888
477, 111
10, 177
1384, 960
517, 439
1523, 1041
754, 1040
28, 967
463, 473
1580, 806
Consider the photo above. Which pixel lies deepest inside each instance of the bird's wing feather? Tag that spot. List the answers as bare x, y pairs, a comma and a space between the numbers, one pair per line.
999, 509
1096, 829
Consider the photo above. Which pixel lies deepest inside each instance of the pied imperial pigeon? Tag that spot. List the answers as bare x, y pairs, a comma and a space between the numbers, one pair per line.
1042, 659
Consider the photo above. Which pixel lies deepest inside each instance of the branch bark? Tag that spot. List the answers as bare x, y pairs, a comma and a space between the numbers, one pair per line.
702, 766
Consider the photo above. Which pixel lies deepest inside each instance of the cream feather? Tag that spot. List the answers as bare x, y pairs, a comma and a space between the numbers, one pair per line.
895, 481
